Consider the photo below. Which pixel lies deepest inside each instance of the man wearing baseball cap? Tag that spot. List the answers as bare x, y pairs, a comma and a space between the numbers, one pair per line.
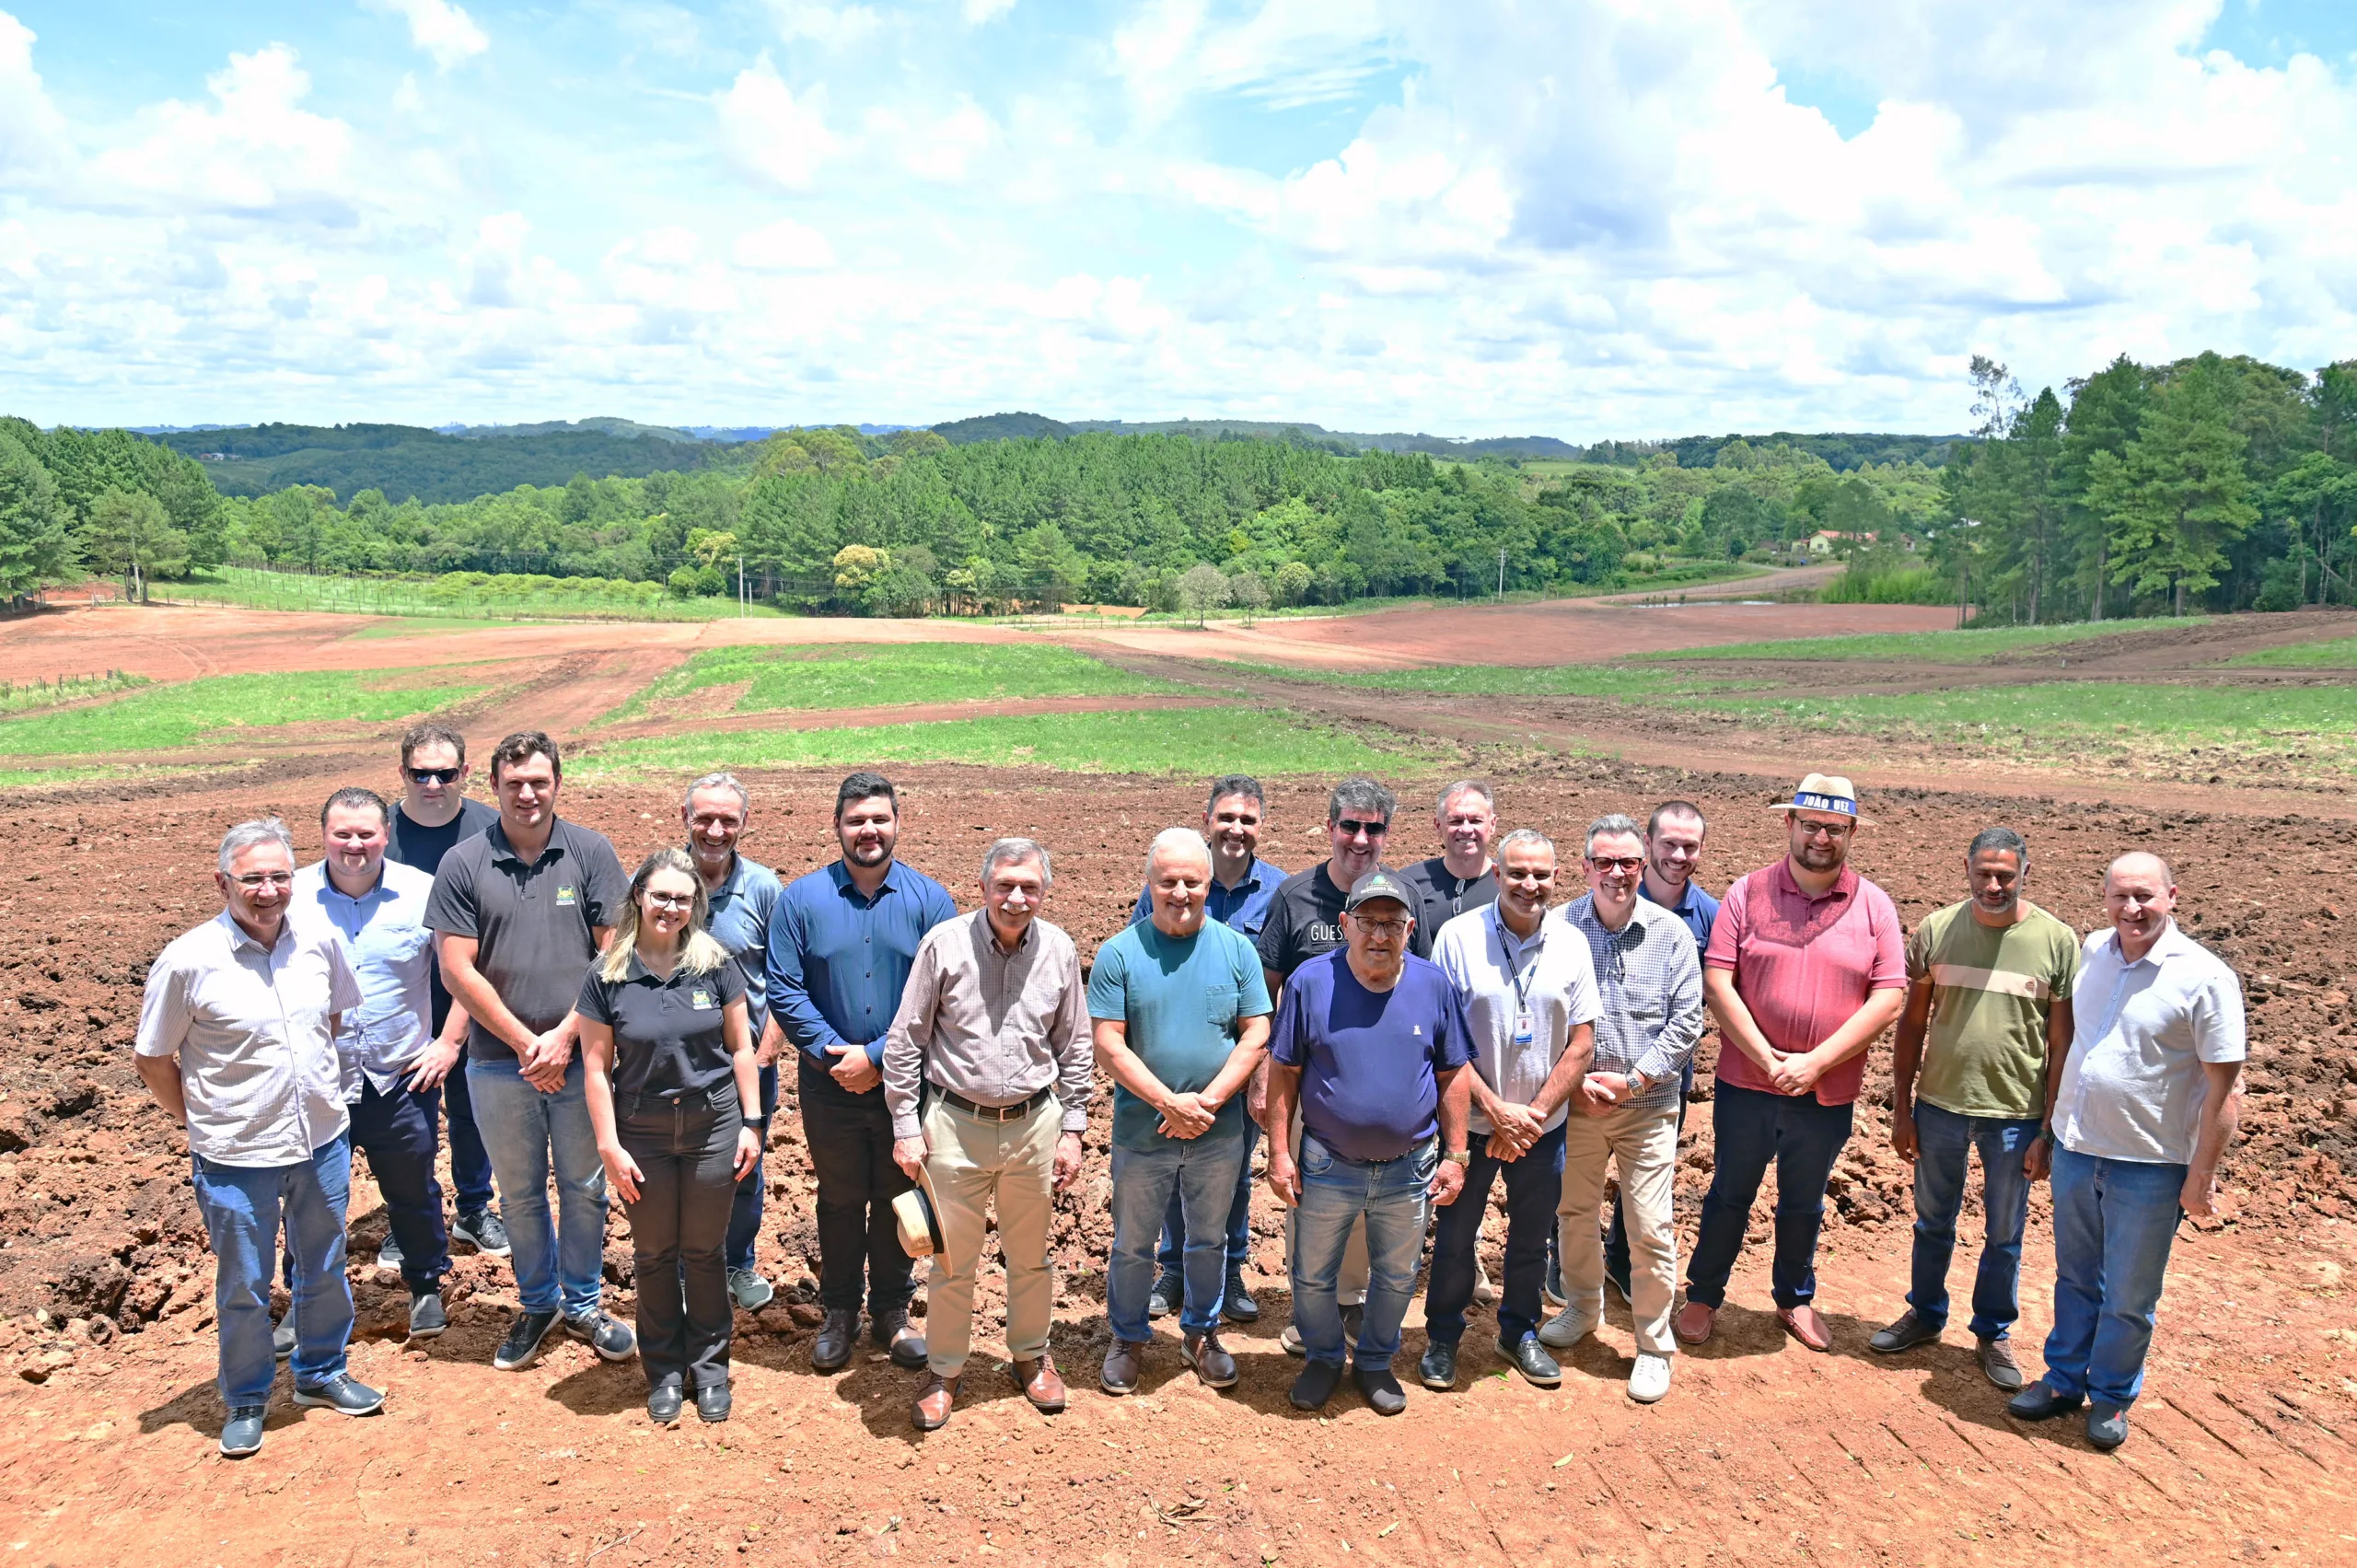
1806, 965
1371, 1042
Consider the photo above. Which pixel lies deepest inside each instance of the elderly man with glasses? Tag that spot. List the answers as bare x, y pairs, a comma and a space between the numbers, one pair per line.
1649, 981
236, 1043
1807, 965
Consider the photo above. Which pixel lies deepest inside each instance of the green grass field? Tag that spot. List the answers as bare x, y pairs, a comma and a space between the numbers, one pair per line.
161, 717
889, 674
17, 699
1171, 741
253, 589
1968, 646
1500, 680
2339, 652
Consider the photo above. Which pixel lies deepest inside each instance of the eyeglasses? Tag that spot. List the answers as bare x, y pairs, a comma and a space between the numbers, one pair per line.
671, 901
1621, 863
435, 776
1351, 828
1824, 829
255, 881
1383, 927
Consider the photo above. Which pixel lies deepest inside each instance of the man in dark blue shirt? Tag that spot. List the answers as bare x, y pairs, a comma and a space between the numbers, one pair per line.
1372, 1043
840, 943
1242, 888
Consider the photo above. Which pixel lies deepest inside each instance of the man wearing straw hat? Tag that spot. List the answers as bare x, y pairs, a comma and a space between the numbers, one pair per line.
1806, 965
987, 1074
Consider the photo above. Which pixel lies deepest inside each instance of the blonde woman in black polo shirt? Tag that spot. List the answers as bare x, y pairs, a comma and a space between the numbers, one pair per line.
665, 1031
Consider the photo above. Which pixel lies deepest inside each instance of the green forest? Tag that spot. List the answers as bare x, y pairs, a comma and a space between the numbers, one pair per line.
2209, 484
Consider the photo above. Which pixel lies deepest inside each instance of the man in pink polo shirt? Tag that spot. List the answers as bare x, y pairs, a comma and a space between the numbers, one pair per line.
1806, 965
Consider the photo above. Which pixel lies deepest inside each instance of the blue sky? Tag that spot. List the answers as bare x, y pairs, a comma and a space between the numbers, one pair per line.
1585, 219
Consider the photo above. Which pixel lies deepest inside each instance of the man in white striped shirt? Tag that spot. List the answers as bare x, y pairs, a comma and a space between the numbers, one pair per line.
1649, 981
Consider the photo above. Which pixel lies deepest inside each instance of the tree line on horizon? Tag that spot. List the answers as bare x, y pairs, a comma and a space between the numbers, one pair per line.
2209, 484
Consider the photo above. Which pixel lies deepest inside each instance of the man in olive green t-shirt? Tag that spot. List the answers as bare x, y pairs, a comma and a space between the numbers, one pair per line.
1987, 1021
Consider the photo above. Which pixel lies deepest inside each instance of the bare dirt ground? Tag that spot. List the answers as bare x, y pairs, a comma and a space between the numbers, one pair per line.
2245, 1445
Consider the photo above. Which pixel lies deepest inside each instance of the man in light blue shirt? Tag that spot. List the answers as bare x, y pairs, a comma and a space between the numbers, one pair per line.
741, 895
377, 908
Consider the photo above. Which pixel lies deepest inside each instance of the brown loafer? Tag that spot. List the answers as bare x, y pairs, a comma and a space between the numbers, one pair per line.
931, 1411
1694, 1322
1040, 1383
1807, 1326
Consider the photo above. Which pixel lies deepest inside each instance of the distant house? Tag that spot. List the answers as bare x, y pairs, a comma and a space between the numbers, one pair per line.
212, 456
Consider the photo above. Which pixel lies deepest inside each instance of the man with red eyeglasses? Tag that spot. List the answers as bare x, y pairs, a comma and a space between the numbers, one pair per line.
1806, 965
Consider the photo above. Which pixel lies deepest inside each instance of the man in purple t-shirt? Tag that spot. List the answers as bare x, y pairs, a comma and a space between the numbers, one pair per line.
1372, 1043
1806, 965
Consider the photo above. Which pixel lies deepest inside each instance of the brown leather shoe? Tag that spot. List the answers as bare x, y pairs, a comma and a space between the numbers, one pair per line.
1808, 1325
1694, 1322
1040, 1383
931, 1412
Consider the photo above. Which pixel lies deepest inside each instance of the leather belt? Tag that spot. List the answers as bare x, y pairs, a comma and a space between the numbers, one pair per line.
997, 1112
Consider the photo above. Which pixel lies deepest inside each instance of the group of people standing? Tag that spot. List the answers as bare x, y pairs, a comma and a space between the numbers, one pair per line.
1408, 1040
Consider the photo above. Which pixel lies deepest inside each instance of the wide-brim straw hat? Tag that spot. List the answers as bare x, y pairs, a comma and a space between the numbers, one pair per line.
1825, 792
919, 1221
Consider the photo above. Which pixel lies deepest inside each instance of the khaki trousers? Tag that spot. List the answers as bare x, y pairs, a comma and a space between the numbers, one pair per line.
971, 1160
1641, 1143
1349, 1285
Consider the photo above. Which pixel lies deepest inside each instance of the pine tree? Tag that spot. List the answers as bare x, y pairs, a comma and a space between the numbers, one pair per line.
2178, 495
36, 546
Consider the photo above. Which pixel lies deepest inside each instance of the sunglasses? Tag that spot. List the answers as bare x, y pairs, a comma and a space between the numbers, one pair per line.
1352, 829
1623, 862
435, 776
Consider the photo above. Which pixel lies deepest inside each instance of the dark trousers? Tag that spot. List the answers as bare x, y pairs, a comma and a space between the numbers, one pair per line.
686, 1154
1803, 1138
745, 1213
1534, 1187
1239, 1215
469, 1161
850, 1137
397, 1132
1615, 1235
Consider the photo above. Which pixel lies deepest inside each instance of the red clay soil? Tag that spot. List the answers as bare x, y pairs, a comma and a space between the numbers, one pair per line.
1764, 1452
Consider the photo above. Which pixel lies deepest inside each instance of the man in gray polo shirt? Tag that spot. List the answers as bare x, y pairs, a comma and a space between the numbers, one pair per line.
519, 912
237, 1042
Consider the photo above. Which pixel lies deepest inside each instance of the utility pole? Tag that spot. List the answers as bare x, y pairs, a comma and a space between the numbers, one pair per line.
1501, 573
741, 587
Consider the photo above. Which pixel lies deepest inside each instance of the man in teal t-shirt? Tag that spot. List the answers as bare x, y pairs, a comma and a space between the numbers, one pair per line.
1181, 1014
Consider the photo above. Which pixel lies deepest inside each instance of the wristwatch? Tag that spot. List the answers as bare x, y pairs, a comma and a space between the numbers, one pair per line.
1638, 1084
1462, 1157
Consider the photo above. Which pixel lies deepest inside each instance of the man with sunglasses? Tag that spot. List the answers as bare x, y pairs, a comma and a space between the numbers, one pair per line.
432, 815
236, 1043
1306, 923
1807, 964
1649, 985
1462, 877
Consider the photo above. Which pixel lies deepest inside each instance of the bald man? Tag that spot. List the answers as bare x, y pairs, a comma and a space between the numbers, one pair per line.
2148, 1097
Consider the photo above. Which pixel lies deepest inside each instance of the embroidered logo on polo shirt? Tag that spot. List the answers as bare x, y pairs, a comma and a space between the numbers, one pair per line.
565, 897
699, 998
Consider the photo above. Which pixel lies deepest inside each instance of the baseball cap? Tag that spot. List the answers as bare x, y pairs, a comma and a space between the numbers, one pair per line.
1379, 884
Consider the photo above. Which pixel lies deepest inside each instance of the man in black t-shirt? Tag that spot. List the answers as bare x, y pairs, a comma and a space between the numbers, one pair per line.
1462, 877
434, 815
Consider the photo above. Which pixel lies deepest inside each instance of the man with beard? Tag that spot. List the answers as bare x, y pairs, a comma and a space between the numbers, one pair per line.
1988, 1008
1462, 877
1806, 965
841, 940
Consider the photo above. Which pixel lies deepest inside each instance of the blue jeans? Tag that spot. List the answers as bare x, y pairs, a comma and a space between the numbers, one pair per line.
1335, 1191
469, 1162
1752, 1128
560, 1265
1945, 1141
2113, 1223
1239, 1214
242, 1207
745, 1210
1197, 1174
1534, 1185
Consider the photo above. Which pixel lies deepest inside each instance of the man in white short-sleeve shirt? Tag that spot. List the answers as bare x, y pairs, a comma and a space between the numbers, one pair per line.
2150, 1095
236, 1040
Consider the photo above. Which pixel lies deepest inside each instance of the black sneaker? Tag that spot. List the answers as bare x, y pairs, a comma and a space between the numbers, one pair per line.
1912, 1328
241, 1434
281, 1338
1553, 1289
343, 1394
526, 1338
1236, 1303
426, 1317
1618, 1282
603, 1333
389, 1255
2040, 1402
2107, 1427
1169, 1291
1382, 1389
1316, 1384
712, 1401
482, 1232
1436, 1368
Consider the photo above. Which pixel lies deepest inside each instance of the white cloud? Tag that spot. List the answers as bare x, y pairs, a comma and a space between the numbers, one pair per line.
254, 151
769, 132
941, 149
438, 27
32, 134
980, 11
784, 246
836, 27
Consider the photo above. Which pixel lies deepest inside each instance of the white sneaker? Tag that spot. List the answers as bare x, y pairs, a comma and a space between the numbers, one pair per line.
1650, 1379
1566, 1328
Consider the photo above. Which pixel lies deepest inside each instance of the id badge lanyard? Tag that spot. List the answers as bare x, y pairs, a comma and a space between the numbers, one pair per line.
1524, 1033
